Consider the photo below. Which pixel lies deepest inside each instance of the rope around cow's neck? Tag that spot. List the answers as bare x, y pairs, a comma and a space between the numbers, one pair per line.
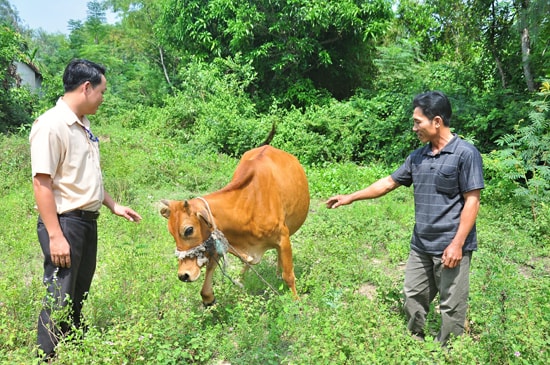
210, 216
216, 232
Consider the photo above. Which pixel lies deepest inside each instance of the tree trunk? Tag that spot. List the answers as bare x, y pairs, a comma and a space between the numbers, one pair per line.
164, 66
525, 52
500, 70
493, 47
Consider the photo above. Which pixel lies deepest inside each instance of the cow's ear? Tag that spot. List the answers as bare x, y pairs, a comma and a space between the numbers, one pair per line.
204, 217
165, 211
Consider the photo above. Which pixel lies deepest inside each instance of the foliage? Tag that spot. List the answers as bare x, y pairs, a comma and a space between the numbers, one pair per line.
483, 35
8, 15
328, 42
214, 111
142, 66
15, 102
480, 112
349, 265
261, 62
524, 158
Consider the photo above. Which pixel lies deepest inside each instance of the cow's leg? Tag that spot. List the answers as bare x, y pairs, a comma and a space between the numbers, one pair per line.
207, 292
246, 260
285, 261
244, 270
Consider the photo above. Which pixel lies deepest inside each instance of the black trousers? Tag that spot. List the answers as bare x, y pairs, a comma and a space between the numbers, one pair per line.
66, 286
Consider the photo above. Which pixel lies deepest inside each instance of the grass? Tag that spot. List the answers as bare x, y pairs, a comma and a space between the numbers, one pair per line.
348, 262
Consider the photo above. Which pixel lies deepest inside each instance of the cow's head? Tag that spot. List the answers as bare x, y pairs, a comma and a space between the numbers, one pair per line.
190, 224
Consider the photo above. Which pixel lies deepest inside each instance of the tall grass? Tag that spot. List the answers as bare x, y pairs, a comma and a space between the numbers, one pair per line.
349, 266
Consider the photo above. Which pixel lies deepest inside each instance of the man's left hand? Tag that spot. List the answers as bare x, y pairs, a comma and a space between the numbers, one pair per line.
451, 256
127, 213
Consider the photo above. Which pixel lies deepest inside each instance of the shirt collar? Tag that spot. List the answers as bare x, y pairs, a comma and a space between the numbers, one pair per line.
449, 148
69, 116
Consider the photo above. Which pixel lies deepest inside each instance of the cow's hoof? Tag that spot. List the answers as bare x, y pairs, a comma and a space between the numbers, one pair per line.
206, 305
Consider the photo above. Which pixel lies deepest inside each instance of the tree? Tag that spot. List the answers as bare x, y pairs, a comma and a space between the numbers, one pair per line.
330, 43
497, 34
9, 52
530, 14
513, 30
14, 102
96, 19
147, 67
8, 15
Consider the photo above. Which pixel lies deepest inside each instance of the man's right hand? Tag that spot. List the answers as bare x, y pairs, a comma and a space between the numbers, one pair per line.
338, 200
60, 252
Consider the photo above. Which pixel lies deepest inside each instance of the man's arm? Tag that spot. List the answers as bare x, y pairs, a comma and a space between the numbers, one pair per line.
60, 250
120, 210
375, 190
453, 253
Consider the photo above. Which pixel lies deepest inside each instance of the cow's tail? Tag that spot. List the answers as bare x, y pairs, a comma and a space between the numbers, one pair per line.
270, 136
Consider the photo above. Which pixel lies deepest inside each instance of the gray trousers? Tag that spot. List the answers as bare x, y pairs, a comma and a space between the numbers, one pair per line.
425, 277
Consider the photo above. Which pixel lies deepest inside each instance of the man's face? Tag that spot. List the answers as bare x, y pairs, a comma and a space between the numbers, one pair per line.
423, 127
94, 95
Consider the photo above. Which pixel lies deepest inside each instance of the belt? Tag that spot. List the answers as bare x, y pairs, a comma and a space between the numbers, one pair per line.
83, 214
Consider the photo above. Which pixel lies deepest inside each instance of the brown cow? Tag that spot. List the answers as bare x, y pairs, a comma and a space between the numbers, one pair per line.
264, 204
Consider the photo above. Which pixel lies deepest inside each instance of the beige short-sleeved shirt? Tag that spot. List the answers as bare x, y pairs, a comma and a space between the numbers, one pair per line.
62, 148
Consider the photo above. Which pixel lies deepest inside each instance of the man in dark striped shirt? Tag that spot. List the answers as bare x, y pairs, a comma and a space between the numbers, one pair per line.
447, 176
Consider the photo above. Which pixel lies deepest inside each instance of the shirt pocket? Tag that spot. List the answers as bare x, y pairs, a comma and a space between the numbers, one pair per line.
446, 181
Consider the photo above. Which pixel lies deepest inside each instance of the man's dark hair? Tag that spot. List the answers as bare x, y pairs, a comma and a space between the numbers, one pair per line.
433, 104
79, 71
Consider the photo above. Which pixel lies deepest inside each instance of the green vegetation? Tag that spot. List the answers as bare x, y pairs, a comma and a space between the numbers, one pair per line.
191, 88
349, 267
293, 56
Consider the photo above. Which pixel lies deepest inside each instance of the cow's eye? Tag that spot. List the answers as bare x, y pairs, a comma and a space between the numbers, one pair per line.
188, 231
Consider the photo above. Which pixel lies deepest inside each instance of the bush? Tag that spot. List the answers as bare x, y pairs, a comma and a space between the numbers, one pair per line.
524, 159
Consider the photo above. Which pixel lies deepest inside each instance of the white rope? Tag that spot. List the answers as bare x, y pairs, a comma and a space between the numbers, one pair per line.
197, 252
210, 216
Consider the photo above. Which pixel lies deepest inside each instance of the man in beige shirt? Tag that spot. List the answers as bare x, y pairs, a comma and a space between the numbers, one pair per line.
68, 188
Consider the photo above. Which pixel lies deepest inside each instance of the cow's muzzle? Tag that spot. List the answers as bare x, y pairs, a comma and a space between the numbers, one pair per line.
184, 277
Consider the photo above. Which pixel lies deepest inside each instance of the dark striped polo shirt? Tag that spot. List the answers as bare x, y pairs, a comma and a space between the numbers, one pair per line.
439, 182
